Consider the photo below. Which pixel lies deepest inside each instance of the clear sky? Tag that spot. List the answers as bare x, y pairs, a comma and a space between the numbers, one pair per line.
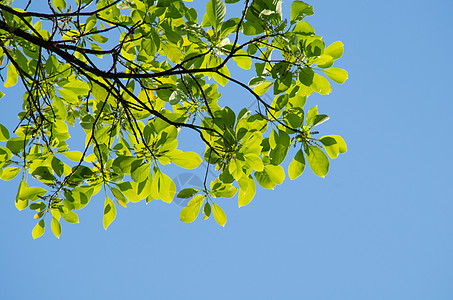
379, 226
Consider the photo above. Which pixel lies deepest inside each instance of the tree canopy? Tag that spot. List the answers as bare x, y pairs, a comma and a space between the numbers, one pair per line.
131, 75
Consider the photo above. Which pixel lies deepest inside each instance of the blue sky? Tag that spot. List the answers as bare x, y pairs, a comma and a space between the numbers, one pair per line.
379, 226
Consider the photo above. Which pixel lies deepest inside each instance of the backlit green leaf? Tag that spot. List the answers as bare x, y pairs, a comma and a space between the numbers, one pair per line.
10, 173
297, 165
186, 160
109, 212
219, 215
38, 230
337, 75
73, 155
11, 78
69, 216
335, 50
321, 85
318, 161
300, 9
56, 227
141, 173
189, 213
331, 146
247, 195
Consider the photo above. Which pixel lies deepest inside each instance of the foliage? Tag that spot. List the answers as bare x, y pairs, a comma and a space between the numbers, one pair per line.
131, 74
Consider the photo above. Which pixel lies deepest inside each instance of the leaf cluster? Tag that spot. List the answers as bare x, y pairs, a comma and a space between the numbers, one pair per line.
131, 74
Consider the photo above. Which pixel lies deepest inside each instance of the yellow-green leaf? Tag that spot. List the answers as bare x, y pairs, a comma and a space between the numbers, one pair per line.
73, 155
337, 75
69, 216
242, 59
275, 173
186, 160
246, 195
56, 227
321, 85
341, 143
297, 165
10, 173
39, 229
109, 212
219, 214
11, 79
318, 161
331, 146
190, 213
335, 50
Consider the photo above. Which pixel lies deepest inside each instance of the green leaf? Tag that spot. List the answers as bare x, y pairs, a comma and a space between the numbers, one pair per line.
299, 10
206, 210
341, 143
176, 97
190, 213
264, 180
282, 145
10, 173
60, 5
215, 14
337, 75
141, 173
331, 146
11, 79
275, 173
73, 155
243, 61
69, 216
186, 160
43, 173
219, 215
30, 193
109, 212
129, 189
306, 76
246, 195
262, 88
297, 165
319, 119
335, 50
4, 133
56, 227
311, 115
5, 154
321, 85
16, 144
187, 193
304, 28
318, 161
38, 230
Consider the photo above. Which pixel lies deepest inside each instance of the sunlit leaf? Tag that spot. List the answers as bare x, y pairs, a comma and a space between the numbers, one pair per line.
337, 75
38, 230
56, 227
109, 212
297, 165
335, 50
186, 160
219, 214
318, 161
